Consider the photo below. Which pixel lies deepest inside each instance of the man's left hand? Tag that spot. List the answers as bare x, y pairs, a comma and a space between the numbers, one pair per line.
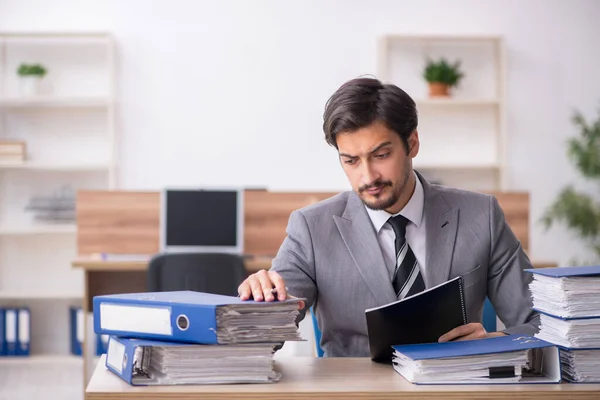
470, 331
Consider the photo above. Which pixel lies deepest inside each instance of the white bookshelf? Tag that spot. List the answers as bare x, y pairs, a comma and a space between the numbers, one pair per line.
41, 229
51, 102
462, 136
54, 361
69, 130
55, 166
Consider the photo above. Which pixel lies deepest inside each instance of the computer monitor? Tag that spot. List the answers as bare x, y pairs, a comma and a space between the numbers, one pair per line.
202, 220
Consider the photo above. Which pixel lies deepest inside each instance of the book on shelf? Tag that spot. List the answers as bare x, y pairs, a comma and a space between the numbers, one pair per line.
12, 151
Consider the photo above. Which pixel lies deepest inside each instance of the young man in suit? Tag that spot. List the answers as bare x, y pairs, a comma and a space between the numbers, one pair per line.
394, 234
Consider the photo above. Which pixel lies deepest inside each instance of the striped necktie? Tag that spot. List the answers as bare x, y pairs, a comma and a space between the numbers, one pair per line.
407, 279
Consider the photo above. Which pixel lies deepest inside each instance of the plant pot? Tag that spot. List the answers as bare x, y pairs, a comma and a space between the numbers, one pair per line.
437, 89
29, 85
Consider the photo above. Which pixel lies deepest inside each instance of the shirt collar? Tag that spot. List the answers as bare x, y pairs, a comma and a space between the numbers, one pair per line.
413, 210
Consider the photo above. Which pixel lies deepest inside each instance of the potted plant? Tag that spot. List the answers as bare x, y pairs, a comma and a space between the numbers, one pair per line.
441, 76
579, 210
30, 75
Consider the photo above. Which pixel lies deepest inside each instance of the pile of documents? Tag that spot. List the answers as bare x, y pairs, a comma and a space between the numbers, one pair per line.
504, 359
568, 299
186, 337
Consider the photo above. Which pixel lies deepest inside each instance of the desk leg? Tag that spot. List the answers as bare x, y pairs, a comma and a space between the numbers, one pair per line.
99, 283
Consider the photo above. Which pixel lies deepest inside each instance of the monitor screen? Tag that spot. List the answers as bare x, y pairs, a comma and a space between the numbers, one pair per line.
201, 220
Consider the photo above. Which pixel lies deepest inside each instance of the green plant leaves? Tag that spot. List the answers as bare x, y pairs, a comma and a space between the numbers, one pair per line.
31, 70
580, 212
443, 71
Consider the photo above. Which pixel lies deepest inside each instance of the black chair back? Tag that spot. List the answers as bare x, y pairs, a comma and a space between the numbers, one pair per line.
217, 273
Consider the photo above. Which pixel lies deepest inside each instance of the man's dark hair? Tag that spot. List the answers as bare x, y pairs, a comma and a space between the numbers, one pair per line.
362, 101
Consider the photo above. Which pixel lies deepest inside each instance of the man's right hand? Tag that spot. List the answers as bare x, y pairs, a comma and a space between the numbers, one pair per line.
264, 285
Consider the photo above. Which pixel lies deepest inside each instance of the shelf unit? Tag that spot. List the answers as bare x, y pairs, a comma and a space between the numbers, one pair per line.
462, 136
69, 129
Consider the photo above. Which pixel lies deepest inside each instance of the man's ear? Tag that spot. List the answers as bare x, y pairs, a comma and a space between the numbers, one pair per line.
413, 144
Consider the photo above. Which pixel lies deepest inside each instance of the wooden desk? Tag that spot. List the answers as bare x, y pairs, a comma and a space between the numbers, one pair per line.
92, 264
331, 378
108, 277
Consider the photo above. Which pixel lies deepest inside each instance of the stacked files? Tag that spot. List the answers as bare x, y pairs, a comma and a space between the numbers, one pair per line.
568, 299
187, 337
500, 360
15, 330
171, 363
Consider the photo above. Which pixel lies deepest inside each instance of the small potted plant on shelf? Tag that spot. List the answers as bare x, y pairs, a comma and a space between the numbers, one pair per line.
441, 76
30, 76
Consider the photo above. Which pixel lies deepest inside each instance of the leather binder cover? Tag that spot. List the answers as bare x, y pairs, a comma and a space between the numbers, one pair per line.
421, 318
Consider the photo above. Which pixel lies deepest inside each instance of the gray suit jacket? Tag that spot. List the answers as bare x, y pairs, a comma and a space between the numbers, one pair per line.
332, 258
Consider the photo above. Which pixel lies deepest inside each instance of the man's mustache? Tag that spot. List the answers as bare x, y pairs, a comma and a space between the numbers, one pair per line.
375, 185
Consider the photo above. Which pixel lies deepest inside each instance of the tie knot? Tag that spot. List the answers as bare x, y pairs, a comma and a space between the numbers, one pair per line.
399, 223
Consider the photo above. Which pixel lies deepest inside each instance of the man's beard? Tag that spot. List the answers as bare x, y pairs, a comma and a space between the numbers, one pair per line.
383, 201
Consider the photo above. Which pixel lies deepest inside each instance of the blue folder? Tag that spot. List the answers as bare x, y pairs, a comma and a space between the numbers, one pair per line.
501, 344
11, 331
464, 348
125, 359
24, 332
76, 330
2, 334
182, 316
120, 358
560, 272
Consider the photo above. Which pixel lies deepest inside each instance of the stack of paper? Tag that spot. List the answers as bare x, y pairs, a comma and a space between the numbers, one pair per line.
257, 322
580, 365
167, 363
567, 296
582, 333
506, 359
569, 302
186, 337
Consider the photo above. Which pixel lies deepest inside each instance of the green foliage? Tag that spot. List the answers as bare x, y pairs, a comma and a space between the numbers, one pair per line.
580, 212
442, 71
31, 69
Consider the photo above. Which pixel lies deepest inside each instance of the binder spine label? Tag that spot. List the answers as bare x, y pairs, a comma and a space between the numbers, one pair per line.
79, 321
11, 326
24, 335
138, 319
115, 356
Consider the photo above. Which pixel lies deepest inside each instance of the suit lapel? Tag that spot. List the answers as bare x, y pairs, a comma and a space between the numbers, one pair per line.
360, 238
441, 227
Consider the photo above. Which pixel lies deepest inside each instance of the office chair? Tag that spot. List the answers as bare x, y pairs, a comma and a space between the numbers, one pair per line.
488, 319
317, 332
216, 273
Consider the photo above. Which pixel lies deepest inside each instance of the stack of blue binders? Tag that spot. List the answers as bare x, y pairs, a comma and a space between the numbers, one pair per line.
568, 300
187, 337
15, 331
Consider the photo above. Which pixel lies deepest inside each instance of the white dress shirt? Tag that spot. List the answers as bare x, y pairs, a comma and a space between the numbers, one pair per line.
415, 230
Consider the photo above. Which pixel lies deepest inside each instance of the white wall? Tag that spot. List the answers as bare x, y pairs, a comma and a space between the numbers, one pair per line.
232, 92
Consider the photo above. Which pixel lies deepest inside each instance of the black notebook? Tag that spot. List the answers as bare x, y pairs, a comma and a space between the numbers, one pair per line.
421, 318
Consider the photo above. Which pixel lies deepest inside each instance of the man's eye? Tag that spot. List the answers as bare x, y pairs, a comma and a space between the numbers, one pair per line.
350, 161
382, 155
